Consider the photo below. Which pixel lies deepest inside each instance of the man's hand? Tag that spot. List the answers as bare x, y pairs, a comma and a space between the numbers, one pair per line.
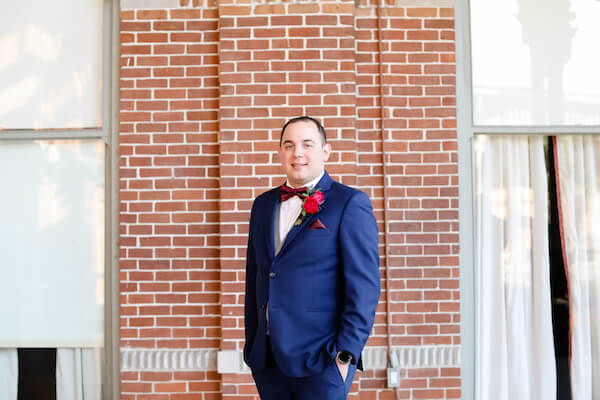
343, 368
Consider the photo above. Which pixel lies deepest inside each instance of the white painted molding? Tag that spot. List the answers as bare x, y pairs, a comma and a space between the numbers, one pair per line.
413, 357
168, 359
148, 4
232, 362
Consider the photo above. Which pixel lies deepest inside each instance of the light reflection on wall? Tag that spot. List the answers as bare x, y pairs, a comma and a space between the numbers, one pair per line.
52, 209
51, 64
52, 242
8, 49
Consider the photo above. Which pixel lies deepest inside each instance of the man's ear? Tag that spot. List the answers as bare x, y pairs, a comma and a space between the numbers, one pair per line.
326, 151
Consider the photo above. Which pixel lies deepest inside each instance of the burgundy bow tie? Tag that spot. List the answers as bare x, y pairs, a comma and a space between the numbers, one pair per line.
287, 192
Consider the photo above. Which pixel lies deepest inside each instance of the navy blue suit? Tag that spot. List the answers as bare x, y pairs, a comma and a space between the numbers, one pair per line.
322, 288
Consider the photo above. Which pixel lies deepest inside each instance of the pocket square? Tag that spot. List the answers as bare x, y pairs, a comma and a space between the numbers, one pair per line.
317, 225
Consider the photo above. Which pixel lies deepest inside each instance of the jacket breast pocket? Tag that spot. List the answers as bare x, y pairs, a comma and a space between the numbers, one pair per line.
320, 232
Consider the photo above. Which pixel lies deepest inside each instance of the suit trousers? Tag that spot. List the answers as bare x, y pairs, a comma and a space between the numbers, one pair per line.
272, 384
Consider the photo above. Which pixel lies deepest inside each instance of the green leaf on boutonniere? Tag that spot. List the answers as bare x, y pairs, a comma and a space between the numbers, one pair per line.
311, 204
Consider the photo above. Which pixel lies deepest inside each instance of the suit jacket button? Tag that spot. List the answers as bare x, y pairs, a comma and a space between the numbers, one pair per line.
272, 274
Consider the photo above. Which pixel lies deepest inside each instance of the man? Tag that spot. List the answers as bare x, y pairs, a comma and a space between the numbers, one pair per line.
312, 276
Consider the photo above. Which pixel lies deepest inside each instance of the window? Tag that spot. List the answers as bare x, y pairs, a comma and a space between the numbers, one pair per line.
51, 65
58, 154
524, 69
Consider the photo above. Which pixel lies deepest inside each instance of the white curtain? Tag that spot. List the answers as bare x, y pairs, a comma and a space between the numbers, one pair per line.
9, 374
578, 160
79, 374
515, 350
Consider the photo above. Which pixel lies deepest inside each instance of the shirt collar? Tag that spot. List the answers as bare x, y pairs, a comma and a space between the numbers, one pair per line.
312, 183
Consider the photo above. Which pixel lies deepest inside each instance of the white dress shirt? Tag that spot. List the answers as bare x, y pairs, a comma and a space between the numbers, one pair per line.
290, 210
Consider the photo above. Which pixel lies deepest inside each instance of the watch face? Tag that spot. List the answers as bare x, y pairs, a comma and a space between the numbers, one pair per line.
344, 357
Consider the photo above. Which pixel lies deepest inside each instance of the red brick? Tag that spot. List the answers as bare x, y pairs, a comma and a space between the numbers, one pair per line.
126, 26
168, 25
303, 8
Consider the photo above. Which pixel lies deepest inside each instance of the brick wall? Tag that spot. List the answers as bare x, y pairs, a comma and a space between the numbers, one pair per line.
169, 215
205, 90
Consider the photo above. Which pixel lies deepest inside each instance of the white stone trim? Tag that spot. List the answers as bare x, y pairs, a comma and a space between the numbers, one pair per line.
232, 362
413, 357
148, 4
168, 359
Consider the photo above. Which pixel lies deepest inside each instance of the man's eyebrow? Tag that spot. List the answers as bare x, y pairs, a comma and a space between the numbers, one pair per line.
304, 141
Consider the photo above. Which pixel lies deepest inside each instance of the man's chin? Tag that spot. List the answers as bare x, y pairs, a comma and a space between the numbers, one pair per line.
296, 180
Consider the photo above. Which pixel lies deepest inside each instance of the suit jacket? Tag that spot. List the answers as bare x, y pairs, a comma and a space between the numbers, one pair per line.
322, 288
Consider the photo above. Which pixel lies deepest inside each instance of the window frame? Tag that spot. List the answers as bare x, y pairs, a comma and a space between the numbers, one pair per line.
109, 133
466, 130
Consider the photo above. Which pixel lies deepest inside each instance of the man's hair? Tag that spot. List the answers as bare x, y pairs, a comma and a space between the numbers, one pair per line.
305, 119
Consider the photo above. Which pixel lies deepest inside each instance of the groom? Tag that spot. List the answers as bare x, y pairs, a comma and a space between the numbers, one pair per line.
312, 276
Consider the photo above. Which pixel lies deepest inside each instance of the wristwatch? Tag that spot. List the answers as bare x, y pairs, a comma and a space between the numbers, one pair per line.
344, 357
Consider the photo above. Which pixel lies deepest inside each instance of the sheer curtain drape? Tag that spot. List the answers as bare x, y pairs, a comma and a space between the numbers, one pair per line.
515, 351
9, 370
79, 374
578, 173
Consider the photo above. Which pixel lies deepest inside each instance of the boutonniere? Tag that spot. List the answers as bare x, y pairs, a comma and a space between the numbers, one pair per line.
311, 204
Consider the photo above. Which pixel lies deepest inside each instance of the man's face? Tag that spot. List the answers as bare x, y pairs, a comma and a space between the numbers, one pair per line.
302, 153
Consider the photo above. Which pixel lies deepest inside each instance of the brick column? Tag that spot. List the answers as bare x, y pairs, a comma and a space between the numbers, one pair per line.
169, 195
277, 61
414, 155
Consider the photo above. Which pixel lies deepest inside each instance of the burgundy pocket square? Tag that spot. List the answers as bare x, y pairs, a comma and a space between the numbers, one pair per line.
317, 225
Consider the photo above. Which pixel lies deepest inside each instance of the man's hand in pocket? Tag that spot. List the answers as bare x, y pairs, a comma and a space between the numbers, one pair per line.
343, 368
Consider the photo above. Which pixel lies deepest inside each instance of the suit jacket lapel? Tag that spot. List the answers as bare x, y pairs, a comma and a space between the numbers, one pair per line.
324, 184
273, 203
294, 232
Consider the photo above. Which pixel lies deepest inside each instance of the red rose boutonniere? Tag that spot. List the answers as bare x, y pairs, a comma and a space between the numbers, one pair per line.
311, 204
